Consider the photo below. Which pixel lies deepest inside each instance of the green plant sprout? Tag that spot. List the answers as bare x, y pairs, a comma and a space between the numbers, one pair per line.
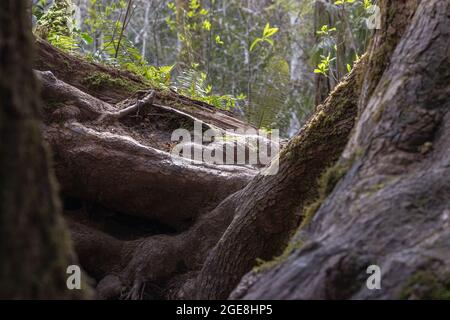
324, 65
343, 2
268, 32
325, 30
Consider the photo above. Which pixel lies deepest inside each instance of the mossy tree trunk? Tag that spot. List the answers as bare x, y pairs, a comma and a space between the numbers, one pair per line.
35, 247
262, 221
391, 208
269, 209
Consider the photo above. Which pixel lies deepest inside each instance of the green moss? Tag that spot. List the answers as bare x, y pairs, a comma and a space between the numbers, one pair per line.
340, 103
375, 188
326, 184
267, 265
67, 65
379, 113
330, 178
100, 80
310, 211
426, 286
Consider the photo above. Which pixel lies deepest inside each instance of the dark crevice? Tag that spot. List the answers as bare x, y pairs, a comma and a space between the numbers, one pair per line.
118, 225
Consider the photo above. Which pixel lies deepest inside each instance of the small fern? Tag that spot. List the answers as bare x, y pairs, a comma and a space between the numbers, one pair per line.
192, 83
270, 96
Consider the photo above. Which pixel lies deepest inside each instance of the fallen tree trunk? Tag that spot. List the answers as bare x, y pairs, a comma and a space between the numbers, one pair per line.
392, 207
108, 84
113, 85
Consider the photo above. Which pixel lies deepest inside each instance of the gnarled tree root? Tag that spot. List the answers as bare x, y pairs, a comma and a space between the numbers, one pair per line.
128, 176
99, 162
123, 174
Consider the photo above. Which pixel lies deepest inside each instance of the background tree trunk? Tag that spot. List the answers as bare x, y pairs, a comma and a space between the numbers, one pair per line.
322, 84
35, 248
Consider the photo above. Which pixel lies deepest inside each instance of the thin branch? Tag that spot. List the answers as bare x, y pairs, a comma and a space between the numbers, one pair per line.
115, 116
124, 24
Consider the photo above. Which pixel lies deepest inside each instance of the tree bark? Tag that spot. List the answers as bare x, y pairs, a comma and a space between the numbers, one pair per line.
114, 161
93, 150
216, 226
35, 249
269, 209
88, 157
392, 207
